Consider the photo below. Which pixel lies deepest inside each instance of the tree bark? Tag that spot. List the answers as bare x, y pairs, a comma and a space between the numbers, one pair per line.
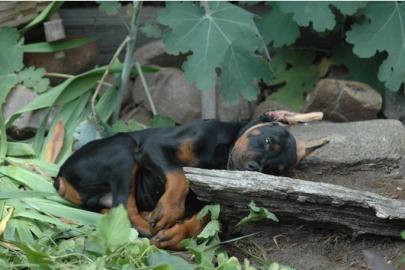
361, 211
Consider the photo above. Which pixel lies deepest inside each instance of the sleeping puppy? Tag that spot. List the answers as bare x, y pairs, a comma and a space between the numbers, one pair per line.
143, 169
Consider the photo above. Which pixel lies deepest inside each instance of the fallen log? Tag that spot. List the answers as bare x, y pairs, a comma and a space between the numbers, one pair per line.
361, 211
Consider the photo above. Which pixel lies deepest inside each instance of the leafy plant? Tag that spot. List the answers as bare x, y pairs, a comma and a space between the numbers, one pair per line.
12, 69
221, 36
296, 71
110, 7
319, 14
257, 213
384, 31
214, 32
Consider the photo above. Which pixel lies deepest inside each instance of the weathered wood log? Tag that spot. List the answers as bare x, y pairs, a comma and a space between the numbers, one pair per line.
361, 211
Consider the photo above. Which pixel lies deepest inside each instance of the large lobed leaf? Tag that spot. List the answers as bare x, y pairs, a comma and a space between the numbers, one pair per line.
11, 52
226, 37
114, 229
360, 69
278, 28
318, 13
296, 71
385, 31
12, 68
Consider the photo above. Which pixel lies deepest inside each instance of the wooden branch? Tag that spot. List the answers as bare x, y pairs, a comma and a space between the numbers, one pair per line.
361, 211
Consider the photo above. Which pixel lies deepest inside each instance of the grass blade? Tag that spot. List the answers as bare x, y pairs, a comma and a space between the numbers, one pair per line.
17, 149
46, 47
29, 179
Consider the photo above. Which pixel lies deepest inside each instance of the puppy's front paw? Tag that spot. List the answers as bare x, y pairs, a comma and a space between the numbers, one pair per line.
165, 215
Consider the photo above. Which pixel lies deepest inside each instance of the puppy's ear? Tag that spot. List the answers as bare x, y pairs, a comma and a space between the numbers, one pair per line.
304, 148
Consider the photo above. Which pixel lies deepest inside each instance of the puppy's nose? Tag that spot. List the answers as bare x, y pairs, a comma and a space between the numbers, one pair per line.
252, 165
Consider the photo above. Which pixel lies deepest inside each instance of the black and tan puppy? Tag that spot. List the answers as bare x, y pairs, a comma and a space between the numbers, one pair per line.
143, 170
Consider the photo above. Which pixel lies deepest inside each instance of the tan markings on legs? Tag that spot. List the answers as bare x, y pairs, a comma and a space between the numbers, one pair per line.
67, 191
171, 206
135, 217
172, 237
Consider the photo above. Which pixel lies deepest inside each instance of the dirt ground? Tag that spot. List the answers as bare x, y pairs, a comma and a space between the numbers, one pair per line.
308, 247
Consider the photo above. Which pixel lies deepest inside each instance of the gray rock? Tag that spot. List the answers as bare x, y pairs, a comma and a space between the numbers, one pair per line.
18, 98
394, 105
175, 97
75, 61
342, 101
154, 53
365, 155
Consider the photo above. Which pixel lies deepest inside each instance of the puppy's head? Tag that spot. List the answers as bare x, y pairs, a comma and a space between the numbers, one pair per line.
269, 148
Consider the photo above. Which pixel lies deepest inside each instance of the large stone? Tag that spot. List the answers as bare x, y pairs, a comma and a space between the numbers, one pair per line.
394, 105
173, 96
76, 60
342, 101
29, 121
364, 155
154, 53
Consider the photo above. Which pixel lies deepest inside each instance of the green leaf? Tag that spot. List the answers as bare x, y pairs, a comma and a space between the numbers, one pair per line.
384, 31
35, 257
204, 255
305, 12
46, 47
110, 7
33, 78
360, 69
11, 53
23, 231
403, 235
256, 214
75, 215
39, 138
24, 194
16, 149
69, 114
29, 179
7, 82
162, 258
114, 228
295, 69
225, 38
131, 125
270, 27
318, 13
67, 91
151, 30
161, 121
49, 10
212, 209
3, 137
33, 215
35, 164
107, 103
210, 230
349, 7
